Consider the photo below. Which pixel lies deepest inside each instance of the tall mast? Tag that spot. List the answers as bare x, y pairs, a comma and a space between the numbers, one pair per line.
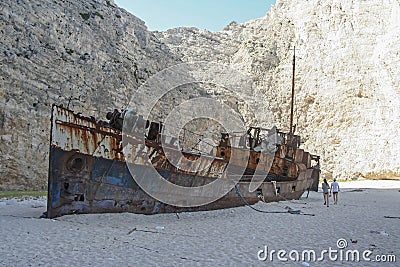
292, 104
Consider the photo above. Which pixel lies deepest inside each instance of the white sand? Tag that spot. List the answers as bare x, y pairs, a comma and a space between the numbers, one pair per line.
377, 184
229, 237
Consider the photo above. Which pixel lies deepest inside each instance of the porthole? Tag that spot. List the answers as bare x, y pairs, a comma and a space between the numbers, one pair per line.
75, 164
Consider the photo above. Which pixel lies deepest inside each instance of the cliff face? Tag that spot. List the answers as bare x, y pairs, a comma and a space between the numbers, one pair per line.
347, 76
87, 55
91, 55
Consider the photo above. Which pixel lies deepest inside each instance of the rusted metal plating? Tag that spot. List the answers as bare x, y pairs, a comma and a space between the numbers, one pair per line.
88, 173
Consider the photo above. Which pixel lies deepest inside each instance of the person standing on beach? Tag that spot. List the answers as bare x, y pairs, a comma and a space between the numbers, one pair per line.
325, 190
335, 190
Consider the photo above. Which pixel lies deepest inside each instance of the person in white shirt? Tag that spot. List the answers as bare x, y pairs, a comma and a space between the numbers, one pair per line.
335, 190
325, 190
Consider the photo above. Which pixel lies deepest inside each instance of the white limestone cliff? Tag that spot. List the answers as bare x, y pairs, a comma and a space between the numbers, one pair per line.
347, 76
91, 55
87, 55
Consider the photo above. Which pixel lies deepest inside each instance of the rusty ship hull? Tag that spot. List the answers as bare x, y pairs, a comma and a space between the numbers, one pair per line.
88, 172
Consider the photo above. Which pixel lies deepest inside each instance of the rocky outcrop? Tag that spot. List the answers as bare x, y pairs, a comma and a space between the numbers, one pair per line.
347, 80
91, 56
87, 55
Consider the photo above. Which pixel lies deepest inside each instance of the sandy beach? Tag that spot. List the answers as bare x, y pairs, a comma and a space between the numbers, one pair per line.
367, 218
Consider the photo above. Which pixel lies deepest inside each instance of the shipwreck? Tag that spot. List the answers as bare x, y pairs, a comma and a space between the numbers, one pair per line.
89, 170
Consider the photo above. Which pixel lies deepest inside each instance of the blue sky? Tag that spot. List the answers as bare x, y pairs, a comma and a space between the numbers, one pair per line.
212, 15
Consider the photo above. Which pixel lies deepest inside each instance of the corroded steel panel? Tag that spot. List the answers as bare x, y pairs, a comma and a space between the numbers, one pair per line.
74, 132
307, 159
299, 155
